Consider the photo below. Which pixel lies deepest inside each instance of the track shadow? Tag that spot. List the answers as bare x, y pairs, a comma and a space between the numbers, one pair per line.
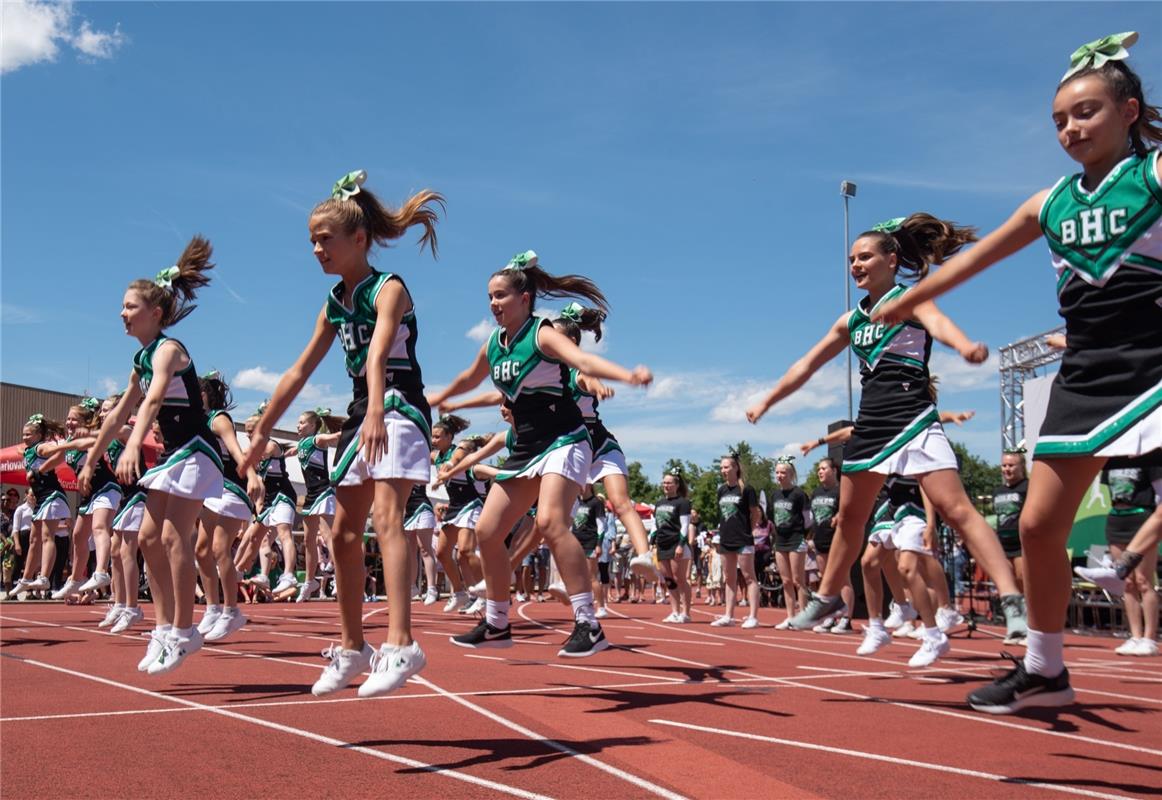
32, 641
245, 692
532, 753
1119, 786
628, 699
715, 674
1114, 761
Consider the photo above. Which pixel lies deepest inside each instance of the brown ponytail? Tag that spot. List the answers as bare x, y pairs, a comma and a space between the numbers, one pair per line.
538, 283
587, 319
364, 210
46, 427
324, 423
452, 424
175, 300
922, 240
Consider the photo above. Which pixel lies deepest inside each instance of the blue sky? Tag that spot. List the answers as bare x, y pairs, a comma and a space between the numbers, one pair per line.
687, 157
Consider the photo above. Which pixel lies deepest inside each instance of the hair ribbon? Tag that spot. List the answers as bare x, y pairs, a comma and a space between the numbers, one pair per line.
1095, 54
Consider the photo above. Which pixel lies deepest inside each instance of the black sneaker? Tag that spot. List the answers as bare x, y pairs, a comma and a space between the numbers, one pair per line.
585, 641
1018, 689
484, 635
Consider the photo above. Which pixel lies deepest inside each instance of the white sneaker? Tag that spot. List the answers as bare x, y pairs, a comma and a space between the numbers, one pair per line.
603, 612
21, 586
261, 580
916, 632
1127, 648
285, 581
152, 650
99, 581
643, 566
930, 650
785, 625
430, 598
344, 667
900, 614
209, 619
1146, 647
722, 622
391, 667
559, 593
38, 584
229, 621
129, 617
684, 619
477, 606
947, 619
904, 631
824, 626
671, 617
1104, 577
111, 616
750, 622
70, 588
842, 627
455, 601
307, 590
478, 589
521, 597
175, 650
873, 640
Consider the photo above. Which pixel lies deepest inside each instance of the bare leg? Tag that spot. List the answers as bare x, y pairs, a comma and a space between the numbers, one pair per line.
857, 492
351, 506
398, 552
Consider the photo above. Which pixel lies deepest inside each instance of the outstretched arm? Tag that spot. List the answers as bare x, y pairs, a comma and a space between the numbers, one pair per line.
557, 345
837, 436
467, 380
824, 350
1021, 229
945, 331
289, 386
482, 400
492, 447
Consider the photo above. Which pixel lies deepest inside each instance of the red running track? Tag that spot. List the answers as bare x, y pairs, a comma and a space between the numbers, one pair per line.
673, 711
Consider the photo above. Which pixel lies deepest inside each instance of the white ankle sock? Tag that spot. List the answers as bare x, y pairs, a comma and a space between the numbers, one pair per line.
496, 613
1044, 653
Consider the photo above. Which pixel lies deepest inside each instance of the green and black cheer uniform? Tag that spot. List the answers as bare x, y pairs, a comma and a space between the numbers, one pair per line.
403, 382
536, 390
232, 481
588, 523
132, 495
182, 419
603, 441
671, 527
788, 513
465, 494
734, 507
1132, 497
895, 405
418, 505
1107, 397
1008, 502
824, 507
278, 486
313, 461
46, 487
104, 482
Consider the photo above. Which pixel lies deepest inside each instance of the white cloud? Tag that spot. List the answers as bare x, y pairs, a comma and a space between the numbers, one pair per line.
18, 315
956, 374
34, 31
312, 396
480, 331
827, 388
108, 386
257, 378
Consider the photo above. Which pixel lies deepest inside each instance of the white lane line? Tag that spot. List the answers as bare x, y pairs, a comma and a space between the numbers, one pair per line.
616, 772
301, 733
903, 762
977, 718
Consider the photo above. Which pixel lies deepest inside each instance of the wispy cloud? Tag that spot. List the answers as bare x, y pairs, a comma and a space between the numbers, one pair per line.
35, 30
312, 396
108, 385
480, 331
18, 315
956, 374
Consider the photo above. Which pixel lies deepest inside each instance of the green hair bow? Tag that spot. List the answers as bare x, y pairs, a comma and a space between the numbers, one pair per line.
889, 226
676, 472
348, 186
1114, 47
262, 408
572, 312
1015, 451
165, 278
90, 404
788, 460
322, 412
35, 419
522, 260
212, 375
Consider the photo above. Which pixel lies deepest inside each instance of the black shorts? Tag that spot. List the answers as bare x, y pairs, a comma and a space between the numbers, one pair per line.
1121, 528
1010, 543
822, 540
603, 572
789, 545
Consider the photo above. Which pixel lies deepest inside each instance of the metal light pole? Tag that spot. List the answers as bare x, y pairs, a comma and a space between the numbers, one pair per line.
847, 189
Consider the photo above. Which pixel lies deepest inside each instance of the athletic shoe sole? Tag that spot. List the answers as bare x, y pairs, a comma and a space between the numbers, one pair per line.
1062, 697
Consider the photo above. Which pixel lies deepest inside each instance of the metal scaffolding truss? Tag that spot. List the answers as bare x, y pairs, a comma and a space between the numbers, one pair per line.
1021, 361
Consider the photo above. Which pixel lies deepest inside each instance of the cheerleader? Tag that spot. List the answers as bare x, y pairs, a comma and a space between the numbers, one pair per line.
190, 468
1008, 500
385, 444
277, 515
529, 361
1102, 226
791, 515
458, 526
125, 612
318, 431
739, 512
674, 537
223, 518
420, 522
898, 430
94, 511
51, 506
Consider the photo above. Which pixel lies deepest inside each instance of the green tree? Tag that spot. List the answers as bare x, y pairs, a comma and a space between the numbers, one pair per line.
978, 476
759, 471
641, 489
702, 484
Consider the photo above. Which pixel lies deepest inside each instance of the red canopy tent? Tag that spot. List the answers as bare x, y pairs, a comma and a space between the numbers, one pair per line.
644, 510
12, 464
